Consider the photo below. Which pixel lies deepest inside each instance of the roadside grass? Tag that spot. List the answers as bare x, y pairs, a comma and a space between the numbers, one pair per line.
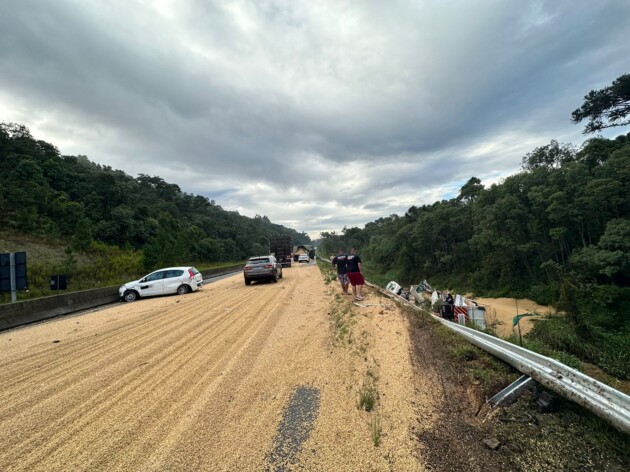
343, 320
375, 430
488, 374
571, 439
542, 348
342, 314
367, 397
609, 351
342, 317
328, 271
554, 331
372, 374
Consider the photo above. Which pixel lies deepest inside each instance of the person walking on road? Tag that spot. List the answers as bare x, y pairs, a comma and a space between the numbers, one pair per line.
340, 260
354, 274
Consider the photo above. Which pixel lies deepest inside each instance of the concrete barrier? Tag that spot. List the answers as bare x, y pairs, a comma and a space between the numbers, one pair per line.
206, 274
39, 309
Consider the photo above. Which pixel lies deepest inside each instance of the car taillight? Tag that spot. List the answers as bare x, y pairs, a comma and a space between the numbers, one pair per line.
268, 266
191, 274
248, 267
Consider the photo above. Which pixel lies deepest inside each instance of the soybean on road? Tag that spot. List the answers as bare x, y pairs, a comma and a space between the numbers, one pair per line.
201, 382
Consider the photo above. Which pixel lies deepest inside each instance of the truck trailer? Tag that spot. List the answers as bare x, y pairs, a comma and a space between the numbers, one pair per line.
280, 246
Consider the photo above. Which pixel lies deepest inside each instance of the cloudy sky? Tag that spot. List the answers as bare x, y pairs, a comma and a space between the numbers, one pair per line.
319, 114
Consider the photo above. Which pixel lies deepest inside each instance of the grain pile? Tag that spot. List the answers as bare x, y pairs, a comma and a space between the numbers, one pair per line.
504, 310
200, 382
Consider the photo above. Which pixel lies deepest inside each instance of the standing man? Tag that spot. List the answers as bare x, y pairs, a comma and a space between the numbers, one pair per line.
340, 261
354, 274
449, 302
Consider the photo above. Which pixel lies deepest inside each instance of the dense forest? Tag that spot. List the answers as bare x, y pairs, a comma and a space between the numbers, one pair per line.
44, 193
111, 226
558, 232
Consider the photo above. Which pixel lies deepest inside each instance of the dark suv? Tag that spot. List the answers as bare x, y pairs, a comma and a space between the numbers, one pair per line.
262, 267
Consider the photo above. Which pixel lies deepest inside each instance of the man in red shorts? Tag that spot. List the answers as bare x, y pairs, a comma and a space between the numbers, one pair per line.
354, 267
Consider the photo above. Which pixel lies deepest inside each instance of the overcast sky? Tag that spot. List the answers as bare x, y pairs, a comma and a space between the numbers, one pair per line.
318, 114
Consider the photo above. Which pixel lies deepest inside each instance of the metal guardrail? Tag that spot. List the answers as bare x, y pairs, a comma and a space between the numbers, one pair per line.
604, 401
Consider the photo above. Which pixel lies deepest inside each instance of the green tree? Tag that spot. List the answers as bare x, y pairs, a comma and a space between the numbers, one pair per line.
605, 108
553, 155
471, 190
69, 264
82, 234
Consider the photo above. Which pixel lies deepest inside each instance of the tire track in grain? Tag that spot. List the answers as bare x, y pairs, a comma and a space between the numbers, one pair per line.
141, 380
168, 413
193, 424
175, 380
80, 361
120, 331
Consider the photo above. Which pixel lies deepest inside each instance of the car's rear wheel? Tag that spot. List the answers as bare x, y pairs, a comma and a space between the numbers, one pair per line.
183, 289
280, 276
275, 278
130, 295
247, 281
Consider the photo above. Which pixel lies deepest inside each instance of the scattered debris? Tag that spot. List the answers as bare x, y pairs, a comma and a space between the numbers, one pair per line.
515, 447
527, 418
56, 341
546, 403
492, 443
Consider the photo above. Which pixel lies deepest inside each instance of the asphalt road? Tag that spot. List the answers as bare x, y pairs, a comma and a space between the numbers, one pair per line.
227, 378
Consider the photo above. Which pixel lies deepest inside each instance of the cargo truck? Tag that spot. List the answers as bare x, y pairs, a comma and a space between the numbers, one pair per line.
280, 246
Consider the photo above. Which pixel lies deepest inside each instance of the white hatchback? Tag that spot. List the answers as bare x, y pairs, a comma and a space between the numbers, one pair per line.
178, 280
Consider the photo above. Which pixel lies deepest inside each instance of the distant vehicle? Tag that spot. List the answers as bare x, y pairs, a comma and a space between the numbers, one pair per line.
178, 280
304, 258
303, 249
280, 247
262, 268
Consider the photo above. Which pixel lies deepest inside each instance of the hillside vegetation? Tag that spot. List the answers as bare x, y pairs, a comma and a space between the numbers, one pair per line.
110, 225
557, 232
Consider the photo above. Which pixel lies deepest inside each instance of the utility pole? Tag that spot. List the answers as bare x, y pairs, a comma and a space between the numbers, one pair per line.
518, 322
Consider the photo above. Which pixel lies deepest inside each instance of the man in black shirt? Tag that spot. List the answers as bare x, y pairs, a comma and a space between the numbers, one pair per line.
449, 301
354, 274
340, 261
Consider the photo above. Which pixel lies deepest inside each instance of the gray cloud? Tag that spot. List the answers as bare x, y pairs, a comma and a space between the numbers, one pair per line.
318, 114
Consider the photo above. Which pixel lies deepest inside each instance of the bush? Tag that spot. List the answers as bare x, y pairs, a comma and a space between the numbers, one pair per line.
614, 355
540, 347
559, 334
544, 294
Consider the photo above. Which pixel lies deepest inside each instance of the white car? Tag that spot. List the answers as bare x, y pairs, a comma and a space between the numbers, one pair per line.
178, 280
304, 258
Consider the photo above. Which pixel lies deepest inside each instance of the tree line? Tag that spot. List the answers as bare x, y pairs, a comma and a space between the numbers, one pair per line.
70, 198
558, 231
